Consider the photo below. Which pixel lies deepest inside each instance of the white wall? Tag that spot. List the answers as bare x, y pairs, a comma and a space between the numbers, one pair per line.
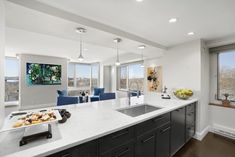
2, 55
181, 66
40, 95
186, 66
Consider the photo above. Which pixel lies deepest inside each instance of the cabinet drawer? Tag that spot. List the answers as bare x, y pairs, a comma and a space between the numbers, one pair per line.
126, 150
65, 153
116, 139
190, 108
152, 124
89, 149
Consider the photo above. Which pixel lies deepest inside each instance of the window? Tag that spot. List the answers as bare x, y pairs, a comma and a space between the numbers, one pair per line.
136, 77
226, 75
95, 75
123, 77
82, 77
131, 76
71, 72
11, 79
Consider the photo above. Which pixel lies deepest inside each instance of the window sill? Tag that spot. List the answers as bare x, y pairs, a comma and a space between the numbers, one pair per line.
11, 103
219, 104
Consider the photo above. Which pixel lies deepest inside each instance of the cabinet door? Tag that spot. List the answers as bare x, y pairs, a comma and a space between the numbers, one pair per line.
163, 141
177, 129
145, 145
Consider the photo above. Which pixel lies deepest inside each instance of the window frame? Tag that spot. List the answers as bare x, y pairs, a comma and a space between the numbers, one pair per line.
218, 74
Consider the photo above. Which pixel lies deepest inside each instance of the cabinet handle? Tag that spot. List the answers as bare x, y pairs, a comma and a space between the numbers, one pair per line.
158, 118
123, 152
66, 155
164, 130
120, 134
146, 140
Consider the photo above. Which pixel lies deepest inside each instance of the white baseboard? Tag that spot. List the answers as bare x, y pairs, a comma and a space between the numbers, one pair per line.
223, 131
218, 129
200, 135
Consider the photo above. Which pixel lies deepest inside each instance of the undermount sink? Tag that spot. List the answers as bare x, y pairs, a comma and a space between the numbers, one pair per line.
138, 110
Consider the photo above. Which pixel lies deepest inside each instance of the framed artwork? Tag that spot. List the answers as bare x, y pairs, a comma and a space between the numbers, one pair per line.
154, 78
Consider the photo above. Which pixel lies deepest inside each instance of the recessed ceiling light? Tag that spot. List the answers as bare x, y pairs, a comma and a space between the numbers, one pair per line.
141, 47
190, 33
172, 20
139, 0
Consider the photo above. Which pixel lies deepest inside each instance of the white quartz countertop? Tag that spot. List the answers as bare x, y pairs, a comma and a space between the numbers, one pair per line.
89, 121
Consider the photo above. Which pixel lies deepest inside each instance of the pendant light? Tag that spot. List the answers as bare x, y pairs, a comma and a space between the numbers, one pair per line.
81, 31
117, 41
142, 47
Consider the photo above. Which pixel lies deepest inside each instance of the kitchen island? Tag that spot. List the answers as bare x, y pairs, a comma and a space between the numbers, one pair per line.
89, 122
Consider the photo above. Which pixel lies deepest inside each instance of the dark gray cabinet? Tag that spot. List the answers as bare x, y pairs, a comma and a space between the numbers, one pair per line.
177, 129
161, 136
163, 141
145, 145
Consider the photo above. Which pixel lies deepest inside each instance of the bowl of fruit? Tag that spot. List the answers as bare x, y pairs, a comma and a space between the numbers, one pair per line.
183, 93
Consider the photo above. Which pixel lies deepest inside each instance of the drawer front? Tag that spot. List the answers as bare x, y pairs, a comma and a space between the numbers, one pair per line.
89, 149
190, 108
65, 153
152, 124
116, 139
126, 150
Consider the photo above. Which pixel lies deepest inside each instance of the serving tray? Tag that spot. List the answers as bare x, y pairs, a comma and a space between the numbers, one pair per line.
14, 117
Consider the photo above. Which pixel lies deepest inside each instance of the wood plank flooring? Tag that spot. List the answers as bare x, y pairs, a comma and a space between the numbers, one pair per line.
211, 146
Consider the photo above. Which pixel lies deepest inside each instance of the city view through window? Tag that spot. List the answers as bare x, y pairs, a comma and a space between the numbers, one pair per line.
226, 77
131, 76
11, 79
82, 77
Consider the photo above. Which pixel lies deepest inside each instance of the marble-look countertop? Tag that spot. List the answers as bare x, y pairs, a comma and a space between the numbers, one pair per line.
89, 121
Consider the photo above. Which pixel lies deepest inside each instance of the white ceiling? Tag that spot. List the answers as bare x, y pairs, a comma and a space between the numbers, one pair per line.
209, 19
32, 31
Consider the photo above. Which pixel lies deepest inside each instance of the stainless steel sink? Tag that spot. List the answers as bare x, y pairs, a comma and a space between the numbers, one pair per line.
138, 110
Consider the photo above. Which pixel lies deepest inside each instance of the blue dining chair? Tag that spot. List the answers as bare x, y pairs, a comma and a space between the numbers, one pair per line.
107, 96
67, 100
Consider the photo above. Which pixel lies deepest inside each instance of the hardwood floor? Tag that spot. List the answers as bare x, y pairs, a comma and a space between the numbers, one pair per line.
211, 146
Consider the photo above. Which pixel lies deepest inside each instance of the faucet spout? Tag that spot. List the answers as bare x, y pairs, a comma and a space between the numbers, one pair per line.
129, 93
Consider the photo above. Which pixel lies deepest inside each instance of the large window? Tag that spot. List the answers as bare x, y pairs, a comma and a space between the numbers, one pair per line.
11, 79
226, 76
82, 77
131, 76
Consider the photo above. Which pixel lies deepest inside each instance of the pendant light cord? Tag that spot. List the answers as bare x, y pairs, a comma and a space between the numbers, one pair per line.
81, 44
117, 52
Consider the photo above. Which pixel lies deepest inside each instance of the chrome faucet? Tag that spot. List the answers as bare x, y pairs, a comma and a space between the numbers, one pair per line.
129, 93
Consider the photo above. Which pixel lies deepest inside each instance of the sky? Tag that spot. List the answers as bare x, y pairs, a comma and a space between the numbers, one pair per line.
135, 71
12, 67
83, 71
227, 59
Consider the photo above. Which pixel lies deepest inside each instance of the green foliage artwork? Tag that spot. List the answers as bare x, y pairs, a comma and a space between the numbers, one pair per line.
43, 74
